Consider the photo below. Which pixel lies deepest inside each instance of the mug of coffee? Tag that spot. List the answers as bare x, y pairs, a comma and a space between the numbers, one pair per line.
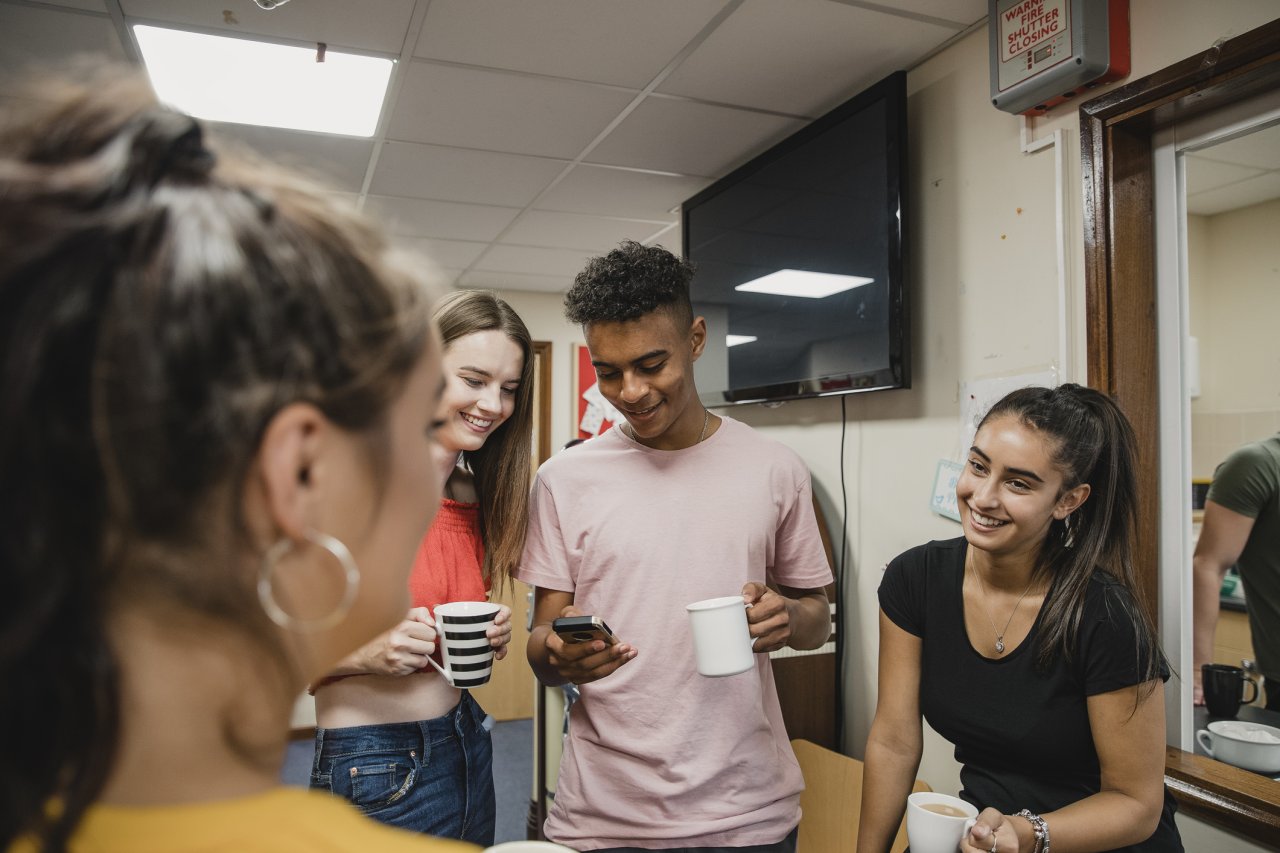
464, 647
721, 639
1224, 687
937, 822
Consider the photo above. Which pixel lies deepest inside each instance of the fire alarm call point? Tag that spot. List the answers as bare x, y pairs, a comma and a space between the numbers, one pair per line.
1044, 52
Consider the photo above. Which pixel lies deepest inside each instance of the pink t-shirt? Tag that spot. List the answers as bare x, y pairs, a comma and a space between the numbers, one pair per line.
657, 755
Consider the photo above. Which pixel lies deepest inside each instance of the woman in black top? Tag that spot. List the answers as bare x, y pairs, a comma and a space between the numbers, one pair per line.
1024, 644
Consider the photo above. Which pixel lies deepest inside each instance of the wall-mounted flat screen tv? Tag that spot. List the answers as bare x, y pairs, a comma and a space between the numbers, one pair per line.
799, 258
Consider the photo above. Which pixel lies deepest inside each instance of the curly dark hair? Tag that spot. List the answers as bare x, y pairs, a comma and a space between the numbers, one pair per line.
629, 282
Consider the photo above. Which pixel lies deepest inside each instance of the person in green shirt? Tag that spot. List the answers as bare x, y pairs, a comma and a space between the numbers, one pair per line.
1242, 528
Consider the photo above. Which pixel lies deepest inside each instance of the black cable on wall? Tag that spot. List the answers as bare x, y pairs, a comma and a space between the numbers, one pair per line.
841, 596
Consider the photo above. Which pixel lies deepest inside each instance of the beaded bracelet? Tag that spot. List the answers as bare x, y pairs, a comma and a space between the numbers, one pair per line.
1040, 828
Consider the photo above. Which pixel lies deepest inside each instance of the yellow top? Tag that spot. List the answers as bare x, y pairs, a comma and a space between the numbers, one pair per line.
283, 820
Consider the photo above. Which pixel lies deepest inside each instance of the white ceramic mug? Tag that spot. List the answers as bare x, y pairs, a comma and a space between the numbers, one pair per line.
464, 648
931, 832
721, 640
1252, 746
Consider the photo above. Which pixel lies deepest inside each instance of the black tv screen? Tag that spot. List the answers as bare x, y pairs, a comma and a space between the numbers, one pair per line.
821, 212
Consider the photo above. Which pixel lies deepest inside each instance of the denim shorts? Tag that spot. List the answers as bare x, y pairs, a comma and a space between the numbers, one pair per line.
434, 776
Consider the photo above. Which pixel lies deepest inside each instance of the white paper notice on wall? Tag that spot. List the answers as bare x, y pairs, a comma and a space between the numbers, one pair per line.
977, 396
945, 478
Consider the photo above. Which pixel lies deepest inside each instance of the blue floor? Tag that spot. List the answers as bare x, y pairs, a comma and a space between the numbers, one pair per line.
512, 774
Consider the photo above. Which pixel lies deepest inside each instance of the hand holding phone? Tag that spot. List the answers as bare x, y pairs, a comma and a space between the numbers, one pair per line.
583, 629
584, 649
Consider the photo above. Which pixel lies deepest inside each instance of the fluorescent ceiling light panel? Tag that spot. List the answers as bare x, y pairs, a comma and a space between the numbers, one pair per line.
734, 340
274, 85
810, 285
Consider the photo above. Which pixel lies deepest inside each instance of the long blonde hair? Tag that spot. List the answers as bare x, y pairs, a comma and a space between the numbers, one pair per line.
501, 466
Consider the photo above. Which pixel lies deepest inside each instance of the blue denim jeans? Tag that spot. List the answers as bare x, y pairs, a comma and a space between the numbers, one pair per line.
435, 776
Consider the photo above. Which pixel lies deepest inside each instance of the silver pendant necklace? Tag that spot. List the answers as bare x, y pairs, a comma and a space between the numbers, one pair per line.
983, 606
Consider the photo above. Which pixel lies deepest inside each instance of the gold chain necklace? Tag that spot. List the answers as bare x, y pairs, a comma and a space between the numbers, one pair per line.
706, 419
983, 606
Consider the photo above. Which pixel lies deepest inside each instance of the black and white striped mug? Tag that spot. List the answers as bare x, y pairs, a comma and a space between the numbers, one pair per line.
464, 648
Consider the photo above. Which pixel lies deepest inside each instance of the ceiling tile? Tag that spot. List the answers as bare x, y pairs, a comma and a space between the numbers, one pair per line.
500, 111
1203, 174
1234, 196
667, 235
690, 138
618, 192
447, 220
752, 58
443, 278
87, 5
605, 41
449, 254
459, 174
515, 281
347, 200
46, 38
533, 260
1259, 148
962, 13
576, 231
380, 25
339, 161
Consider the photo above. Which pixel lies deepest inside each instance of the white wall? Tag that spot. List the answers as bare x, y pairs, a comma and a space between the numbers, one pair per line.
983, 277
543, 313
1234, 290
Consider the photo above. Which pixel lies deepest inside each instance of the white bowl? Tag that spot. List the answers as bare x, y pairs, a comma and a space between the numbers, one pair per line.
1252, 746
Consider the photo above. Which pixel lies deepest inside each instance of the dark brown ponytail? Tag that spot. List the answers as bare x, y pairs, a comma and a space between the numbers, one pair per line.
1095, 444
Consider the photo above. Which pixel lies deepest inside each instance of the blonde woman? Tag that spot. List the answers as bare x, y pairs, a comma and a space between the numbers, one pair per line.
394, 736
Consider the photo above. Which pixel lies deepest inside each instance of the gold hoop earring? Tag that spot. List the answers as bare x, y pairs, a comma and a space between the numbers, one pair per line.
277, 614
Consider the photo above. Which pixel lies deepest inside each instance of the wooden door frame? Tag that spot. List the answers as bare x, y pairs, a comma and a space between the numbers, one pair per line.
542, 387
1116, 149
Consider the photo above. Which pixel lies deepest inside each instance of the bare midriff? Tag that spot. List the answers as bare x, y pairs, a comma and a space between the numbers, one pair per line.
370, 700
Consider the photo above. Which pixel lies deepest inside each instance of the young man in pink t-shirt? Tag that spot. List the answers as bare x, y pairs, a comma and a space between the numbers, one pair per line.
673, 505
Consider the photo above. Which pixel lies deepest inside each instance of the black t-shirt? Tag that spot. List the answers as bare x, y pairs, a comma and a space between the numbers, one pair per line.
1022, 735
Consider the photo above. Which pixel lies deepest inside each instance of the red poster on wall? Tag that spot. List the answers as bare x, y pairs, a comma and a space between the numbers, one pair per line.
592, 414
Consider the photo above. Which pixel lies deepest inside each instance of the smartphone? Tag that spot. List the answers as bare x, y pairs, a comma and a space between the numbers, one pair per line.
583, 629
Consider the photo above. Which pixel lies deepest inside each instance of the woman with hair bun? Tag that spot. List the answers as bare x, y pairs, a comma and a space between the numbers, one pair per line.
217, 399
403, 744
1025, 643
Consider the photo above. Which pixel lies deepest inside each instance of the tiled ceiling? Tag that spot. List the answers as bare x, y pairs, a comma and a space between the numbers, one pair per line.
1237, 173
522, 136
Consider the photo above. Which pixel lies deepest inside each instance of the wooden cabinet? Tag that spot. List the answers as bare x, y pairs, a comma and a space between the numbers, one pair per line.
1232, 642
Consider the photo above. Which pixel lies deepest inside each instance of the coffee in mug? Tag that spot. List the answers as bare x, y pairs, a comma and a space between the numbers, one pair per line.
944, 809
937, 822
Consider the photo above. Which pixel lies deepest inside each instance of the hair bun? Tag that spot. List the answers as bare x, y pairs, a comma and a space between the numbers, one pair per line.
168, 143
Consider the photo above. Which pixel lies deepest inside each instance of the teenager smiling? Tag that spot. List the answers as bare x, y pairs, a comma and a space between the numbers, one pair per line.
671, 506
401, 742
1024, 643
